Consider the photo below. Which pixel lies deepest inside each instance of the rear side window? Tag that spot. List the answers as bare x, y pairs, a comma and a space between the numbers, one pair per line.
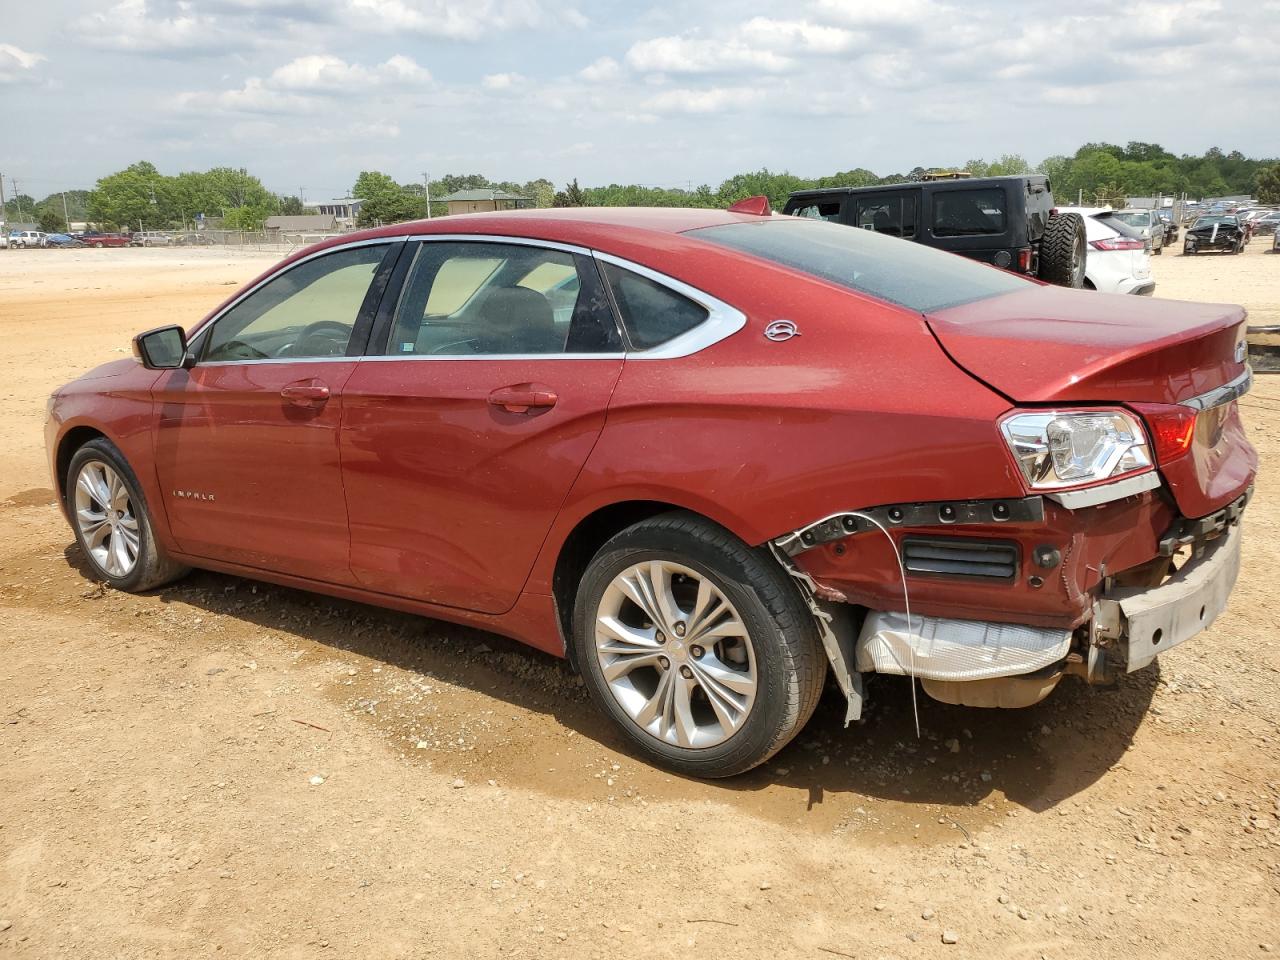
493, 299
651, 313
910, 274
968, 213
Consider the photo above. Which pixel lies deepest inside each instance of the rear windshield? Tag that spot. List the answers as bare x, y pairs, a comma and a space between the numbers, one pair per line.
900, 271
1134, 218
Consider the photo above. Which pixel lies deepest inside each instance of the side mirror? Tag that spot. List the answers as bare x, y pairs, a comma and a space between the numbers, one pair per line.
164, 348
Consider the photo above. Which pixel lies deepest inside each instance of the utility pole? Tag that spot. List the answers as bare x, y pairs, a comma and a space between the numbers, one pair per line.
17, 197
426, 182
66, 217
2, 206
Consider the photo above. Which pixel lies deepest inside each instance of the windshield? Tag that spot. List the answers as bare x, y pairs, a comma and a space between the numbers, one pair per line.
900, 271
1210, 221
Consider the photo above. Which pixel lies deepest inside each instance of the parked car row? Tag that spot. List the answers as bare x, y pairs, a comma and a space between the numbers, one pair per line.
28, 239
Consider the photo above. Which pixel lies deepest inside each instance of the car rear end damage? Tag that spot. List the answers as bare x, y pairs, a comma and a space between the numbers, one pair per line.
1093, 578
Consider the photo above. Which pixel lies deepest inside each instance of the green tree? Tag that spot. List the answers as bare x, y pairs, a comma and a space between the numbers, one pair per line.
287, 205
248, 218
51, 221
1267, 180
385, 201
570, 196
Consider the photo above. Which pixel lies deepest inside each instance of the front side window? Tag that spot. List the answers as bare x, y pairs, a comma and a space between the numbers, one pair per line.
651, 313
487, 299
309, 311
968, 213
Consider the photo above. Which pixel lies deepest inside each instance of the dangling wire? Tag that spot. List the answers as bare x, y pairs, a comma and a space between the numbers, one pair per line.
906, 600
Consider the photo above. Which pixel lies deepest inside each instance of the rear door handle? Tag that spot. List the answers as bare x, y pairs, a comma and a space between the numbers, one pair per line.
305, 393
523, 397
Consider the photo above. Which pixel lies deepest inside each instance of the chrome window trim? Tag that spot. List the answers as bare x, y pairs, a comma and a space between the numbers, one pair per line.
336, 248
1218, 396
484, 356
1106, 492
722, 321
498, 238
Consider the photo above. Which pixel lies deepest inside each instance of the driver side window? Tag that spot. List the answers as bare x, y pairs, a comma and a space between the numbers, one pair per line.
308, 311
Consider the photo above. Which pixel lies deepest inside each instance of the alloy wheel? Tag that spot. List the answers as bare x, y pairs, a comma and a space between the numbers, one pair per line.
106, 520
675, 654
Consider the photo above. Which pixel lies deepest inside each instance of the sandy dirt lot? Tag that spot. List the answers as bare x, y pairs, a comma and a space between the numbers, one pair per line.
225, 768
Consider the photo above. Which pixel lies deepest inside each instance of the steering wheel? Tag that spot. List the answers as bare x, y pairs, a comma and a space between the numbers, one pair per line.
331, 338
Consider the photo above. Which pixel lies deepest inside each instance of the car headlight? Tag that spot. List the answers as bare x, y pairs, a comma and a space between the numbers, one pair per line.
1068, 448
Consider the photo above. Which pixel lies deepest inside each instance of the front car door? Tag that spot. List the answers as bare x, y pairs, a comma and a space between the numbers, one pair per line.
462, 436
247, 439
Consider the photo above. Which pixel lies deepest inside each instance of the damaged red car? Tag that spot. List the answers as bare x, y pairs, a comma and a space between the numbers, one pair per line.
706, 455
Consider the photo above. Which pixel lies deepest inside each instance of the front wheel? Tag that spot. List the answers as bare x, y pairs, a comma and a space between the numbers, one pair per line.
111, 521
699, 648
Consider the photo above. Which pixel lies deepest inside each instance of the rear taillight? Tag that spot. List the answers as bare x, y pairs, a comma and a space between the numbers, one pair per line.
1118, 243
1172, 427
1024, 260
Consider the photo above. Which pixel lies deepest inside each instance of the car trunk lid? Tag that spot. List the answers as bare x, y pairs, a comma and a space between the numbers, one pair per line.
1056, 346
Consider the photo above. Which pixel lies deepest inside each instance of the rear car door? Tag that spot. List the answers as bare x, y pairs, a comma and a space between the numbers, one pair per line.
247, 439
485, 391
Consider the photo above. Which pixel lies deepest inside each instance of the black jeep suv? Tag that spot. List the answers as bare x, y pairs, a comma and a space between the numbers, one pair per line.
1008, 221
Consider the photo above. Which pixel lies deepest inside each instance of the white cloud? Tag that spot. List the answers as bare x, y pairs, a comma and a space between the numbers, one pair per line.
17, 65
298, 85
131, 27
603, 70
325, 73
502, 81
694, 53
456, 19
712, 100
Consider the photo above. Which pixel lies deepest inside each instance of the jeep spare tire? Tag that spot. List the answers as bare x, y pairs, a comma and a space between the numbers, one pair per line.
1062, 250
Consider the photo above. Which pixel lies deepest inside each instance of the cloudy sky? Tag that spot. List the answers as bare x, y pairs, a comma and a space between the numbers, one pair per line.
306, 93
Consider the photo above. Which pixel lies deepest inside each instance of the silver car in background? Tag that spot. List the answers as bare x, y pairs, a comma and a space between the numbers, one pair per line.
1147, 223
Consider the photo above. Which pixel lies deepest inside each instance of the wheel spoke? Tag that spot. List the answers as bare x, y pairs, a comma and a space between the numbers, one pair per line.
94, 526
728, 625
639, 591
681, 722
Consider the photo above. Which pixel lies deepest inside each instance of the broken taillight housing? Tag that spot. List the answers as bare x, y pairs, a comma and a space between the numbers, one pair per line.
1172, 428
1056, 449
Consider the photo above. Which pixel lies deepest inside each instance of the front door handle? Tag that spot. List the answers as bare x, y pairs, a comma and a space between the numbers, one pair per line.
523, 397
305, 393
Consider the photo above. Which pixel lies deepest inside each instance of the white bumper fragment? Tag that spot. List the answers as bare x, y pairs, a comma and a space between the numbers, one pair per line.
939, 649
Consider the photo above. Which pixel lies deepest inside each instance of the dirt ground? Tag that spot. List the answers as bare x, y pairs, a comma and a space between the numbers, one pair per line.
226, 768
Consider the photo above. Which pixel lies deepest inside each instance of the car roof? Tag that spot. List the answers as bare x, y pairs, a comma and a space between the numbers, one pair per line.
962, 183
583, 226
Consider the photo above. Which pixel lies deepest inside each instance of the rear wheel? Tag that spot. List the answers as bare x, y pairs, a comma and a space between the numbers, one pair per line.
98, 244
111, 521
699, 648
1062, 250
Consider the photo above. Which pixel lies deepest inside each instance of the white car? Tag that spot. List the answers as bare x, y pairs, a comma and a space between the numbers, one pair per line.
27, 238
1118, 261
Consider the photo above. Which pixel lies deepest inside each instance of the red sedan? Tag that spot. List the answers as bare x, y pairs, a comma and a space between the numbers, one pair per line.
706, 455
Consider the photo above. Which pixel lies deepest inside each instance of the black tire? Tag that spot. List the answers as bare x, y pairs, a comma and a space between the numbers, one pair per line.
790, 663
1063, 250
1156, 251
98, 245
152, 567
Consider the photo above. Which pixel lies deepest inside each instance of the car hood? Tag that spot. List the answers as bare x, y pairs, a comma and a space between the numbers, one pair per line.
1055, 345
1205, 230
